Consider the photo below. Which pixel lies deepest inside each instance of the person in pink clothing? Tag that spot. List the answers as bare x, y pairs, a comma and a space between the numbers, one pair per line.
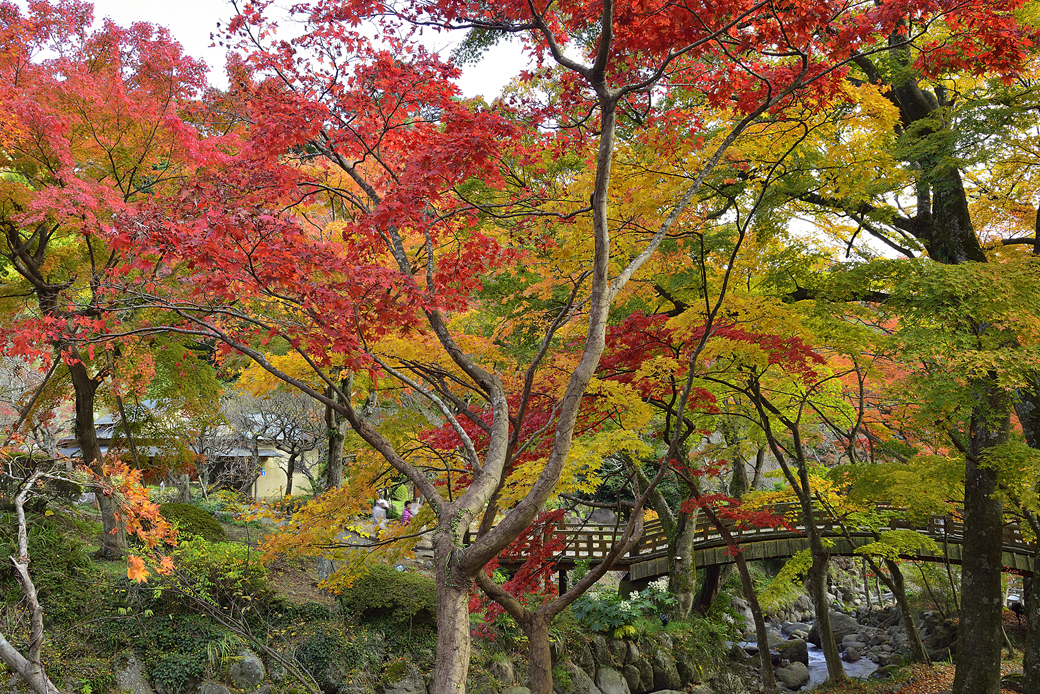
407, 514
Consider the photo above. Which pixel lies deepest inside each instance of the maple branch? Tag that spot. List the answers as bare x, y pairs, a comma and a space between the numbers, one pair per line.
467, 443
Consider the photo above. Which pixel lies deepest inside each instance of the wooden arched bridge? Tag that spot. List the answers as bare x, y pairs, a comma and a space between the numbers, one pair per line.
649, 558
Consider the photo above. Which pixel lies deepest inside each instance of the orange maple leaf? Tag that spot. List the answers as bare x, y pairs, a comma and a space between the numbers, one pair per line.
136, 570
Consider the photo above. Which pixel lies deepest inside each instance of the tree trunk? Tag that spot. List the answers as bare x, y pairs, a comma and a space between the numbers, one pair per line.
336, 426
290, 470
817, 579
913, 636
536, 628
761, 635
113, 534
978, 667
453, 627
682, 580
1031, 652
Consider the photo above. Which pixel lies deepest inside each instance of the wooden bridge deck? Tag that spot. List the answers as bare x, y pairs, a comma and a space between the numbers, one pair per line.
649, 558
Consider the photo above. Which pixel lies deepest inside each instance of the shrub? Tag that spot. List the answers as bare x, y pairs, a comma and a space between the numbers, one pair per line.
62, 572
609, 612
192, 521
384, 594
331, 657
220, 572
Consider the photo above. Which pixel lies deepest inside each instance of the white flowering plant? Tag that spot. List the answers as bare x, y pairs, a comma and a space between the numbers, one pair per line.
606, 611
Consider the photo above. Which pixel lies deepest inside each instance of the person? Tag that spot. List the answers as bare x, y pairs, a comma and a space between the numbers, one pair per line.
379, 512
407, 514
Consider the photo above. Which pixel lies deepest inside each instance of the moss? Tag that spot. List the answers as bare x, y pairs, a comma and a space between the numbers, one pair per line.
193, 521
394, 672
384, 594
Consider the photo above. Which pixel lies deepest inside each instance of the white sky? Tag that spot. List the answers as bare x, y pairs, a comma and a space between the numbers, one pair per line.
192, 21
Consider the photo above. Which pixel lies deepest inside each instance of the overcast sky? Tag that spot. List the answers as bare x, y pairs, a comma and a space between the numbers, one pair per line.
192, 21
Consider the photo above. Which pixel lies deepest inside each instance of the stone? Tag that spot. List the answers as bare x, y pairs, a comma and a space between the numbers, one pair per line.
851, 655
129, 676
502, 671
795, 650
247, 672
646, 676
600, 652
700, 689
794, 676
516, 690
666, 676
579, 680
634, 679
841, 626
403, 680
212, 688
632, 655
618, 650
1012, 681
578, 650
728, 683
610, 681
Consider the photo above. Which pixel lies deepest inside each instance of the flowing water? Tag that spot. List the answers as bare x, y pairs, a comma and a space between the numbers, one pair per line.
818, 667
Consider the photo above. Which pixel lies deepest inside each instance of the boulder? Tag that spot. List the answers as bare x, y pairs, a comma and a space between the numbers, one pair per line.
634, 678
247, 672
646, 677
700, 689
578, 650
728, 683
610, 681
579, 681
841, 626
600, 652
1012, 681
502, 671
794, 676
666, 676
516, 690
403, 678
632, 655
212, 688
851, 655
796, 651
129, 676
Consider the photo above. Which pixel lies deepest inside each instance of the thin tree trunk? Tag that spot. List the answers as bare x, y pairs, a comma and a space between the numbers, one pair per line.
1031, 649
817, 579
913, 636
290, 470
31, 668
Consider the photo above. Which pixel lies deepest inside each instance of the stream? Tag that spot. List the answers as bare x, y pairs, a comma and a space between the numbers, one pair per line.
818, 667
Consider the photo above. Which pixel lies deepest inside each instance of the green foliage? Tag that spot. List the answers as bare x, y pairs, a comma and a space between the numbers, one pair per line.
61, 570
896, 542
226, 506
330, 655
192, 521
399, 598
606, 611
175, 647
786, 586
221, 573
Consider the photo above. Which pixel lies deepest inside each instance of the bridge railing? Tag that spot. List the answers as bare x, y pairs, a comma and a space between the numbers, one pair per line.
593, 542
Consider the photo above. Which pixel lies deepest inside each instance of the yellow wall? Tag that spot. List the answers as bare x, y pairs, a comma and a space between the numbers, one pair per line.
271, 484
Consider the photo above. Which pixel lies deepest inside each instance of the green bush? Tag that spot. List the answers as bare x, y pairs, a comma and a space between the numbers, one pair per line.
332, 658
192, 521
220, 572
607, 611
63, 574
384, 594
